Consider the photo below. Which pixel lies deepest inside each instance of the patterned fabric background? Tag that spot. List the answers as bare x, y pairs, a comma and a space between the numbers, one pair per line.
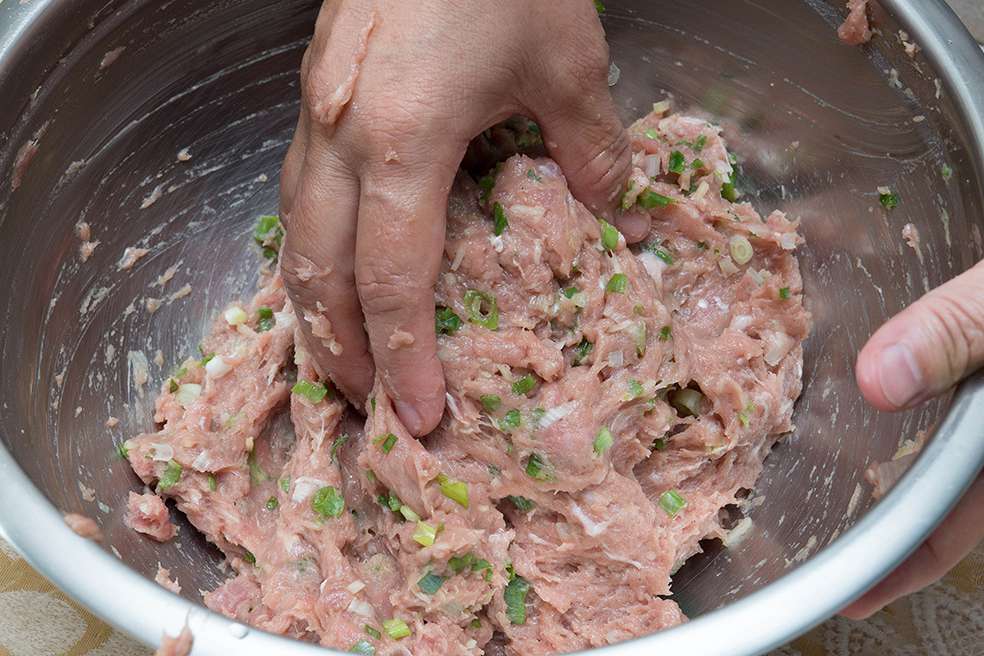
947, 619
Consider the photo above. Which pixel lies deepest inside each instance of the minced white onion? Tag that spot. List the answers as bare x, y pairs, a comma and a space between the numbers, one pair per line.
580, 299
360, 607
217, 367
555, 414
701, 190
201, 461
884, 191
591, 527
305, 486
727, 265
651, 166
661, 107
285, 319
187, 394
355, 586
788, 241
235, 316
616, 359
653, 265
161, 452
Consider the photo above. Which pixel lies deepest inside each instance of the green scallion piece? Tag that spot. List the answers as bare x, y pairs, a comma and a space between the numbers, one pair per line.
446, 322
265, 320
272, 503
499, 218
581, 352
599, 6
482, 309
396, 628
269, 235
946, 172
603, 441
570, 292
617, 283
249, 557
430, 583
522, 503
408, 514
636, 390
700, 142
729, 192
671, 502
524, 385
510, 421
665, 333
122, 450
486, 184
170, 477
609, 236
677, 162
538, 468
256, 473
650, 199
659, 444
328, 502
372, 631
889, 199
515, 598
531, 174
337, 444
652, 134
697, 165
213, 484
457, 491
363, 647
313, 392
285, 484
784, 293
661, 253
425, 534
386, 442
491, 402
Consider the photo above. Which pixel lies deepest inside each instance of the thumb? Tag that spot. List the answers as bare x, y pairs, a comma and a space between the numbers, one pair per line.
928, 347
586, 138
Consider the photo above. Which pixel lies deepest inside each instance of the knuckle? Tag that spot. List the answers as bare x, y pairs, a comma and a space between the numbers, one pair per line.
387, 292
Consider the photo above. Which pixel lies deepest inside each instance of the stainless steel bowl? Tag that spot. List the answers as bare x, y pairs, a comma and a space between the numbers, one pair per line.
818, 125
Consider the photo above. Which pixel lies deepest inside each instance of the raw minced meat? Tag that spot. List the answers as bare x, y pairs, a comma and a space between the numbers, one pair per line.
604, 403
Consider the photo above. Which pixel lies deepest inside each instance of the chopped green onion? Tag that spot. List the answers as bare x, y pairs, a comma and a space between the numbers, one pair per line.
272, 503
676, 163
408, 514
741, 249
391, 501
536, 416
687, 401
665, 333
206, 358
609, 236
603, 441
372, 403
457, 491
671, 502
475, 302
364, 647
522, 503
499, 216
458, 564
538, 468
337, 444
524, 385
386, 442
490, 402
650, 199
285, 484
475, 624
700, 142
515, 598
425, 534
659, 444
946, 172
327, 502
446, 322
269, 235
784, 293
510, 421
235, 316
265, 320
430, 583
170, 477
661, 253
599, 6
531, 174
581, 352
617, 283
187, 393
636, 390
256, 473
372, 631
639, 336
396, 628
570, 292
122, 450
486, 184
212, 483
728, 192
172, 385
249, 557
313, 392
745, 416
888, 199
697, 165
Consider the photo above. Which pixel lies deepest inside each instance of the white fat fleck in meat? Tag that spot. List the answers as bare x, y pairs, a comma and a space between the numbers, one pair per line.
591, 527
305, 486
360, 608
497, 243
161, 452
202, 462
217, 367
355, 587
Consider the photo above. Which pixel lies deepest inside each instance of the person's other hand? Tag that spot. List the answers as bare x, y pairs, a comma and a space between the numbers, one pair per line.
919, 354
392, 92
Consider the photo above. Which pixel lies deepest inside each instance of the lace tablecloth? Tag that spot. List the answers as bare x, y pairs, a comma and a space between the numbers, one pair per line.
945, 620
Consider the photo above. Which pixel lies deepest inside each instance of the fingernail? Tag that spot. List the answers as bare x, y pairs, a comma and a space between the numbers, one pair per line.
899, 374
408, 415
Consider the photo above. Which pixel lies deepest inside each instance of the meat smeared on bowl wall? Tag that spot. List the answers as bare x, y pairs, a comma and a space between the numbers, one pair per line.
605, 403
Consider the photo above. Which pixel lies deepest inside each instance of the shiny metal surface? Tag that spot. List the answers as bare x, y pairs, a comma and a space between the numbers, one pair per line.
817, 125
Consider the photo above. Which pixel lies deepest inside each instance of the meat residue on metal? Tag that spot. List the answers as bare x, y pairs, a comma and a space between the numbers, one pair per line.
327, 110
856, 30
83, 526
180, 646
603, 405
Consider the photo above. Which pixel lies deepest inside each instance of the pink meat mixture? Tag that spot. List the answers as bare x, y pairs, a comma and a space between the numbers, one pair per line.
604, 404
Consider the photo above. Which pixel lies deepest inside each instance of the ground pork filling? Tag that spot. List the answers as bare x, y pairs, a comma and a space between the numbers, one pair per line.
604, 404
